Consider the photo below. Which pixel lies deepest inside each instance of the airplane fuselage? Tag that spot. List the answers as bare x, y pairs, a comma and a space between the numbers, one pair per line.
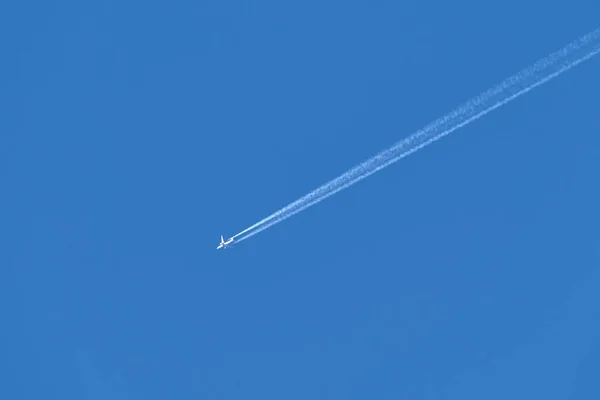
224, 243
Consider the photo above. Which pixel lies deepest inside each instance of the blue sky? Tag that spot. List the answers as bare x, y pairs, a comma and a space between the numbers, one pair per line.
135, 133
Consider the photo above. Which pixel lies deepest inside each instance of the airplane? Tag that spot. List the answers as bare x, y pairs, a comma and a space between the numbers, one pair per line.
224, 243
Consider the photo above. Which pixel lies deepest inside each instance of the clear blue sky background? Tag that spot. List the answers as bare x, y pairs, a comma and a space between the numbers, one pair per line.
134, 133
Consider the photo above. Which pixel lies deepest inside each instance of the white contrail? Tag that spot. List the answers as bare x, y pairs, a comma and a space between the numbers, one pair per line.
539, 73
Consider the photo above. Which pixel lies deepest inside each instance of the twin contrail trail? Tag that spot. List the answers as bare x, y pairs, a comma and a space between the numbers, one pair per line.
522, 82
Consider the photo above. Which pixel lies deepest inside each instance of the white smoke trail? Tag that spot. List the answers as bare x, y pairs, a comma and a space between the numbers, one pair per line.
539, 73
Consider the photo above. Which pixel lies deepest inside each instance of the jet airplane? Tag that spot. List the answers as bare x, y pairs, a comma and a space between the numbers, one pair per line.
225, 243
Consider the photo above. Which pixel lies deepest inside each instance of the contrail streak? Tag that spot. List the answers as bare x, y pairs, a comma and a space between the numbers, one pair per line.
539, 73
